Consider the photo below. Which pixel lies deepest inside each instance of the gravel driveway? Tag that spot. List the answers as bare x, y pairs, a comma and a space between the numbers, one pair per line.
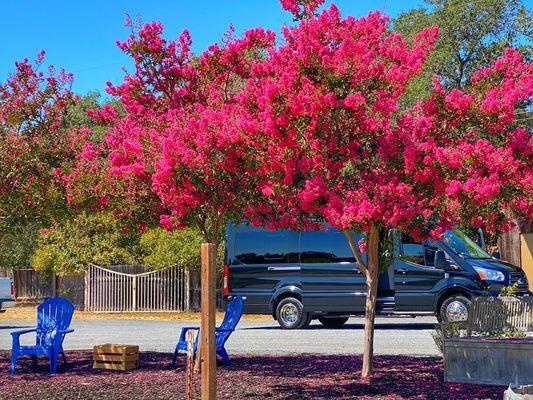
410, 336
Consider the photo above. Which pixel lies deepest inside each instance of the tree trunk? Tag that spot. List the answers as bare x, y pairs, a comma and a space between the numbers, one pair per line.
370, 317
371, 271
372, 278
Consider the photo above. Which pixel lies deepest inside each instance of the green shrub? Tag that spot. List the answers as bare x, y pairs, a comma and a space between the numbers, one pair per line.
508, 291
89, 238
16, 247
446, 330
166, 249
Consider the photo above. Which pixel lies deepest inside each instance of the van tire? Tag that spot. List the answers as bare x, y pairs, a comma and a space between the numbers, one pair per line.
290, 313
456, 304
307, 322
333, 322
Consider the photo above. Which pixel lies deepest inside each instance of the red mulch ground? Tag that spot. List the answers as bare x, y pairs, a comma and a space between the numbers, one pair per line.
249, 377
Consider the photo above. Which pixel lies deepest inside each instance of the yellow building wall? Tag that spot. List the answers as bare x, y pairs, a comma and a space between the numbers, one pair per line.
526, 256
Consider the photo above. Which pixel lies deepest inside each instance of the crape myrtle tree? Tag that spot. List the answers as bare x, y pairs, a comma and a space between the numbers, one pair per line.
184, 137
34, 147
340, 151
184, 133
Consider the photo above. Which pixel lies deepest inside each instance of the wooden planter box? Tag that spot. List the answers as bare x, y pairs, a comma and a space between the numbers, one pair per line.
489, 361
116, 356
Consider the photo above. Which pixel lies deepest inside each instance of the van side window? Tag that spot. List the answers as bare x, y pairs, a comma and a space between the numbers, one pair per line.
412, 250
422, 253
324, 247
262, 247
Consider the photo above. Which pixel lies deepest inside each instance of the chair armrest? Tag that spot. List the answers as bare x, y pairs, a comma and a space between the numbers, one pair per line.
223, 330
23, 331
15, 336
60, 335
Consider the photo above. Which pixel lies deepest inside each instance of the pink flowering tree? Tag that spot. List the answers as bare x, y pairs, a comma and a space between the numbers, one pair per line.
34, 148
184, 132
340, 151
185, 138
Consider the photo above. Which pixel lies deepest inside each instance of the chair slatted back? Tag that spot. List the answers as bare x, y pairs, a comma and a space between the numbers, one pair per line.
52, 315
492, 314
231, 319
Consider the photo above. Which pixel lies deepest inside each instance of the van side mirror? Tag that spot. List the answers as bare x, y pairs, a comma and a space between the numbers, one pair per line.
496, 254
440, 260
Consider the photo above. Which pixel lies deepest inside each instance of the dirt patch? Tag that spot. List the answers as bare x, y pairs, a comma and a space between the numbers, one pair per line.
29, 314
249, 377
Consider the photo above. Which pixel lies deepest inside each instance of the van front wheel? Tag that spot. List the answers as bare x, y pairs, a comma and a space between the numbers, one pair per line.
455, 308
333, 322
290, 313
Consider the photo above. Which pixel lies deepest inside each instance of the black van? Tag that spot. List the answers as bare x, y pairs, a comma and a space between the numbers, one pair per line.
299, 276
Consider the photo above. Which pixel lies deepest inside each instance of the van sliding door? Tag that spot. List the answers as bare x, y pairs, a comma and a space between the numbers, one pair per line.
331, 279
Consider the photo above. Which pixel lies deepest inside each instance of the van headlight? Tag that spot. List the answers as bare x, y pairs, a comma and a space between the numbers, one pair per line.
490, 274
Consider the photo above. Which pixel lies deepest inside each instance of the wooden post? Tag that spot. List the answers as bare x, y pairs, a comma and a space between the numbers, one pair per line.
190, 364
207, 326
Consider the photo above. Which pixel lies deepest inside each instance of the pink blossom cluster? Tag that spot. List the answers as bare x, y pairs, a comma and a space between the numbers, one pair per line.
301, 8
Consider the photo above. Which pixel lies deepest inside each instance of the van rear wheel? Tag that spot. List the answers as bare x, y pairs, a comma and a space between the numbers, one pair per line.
333, 322
290, 314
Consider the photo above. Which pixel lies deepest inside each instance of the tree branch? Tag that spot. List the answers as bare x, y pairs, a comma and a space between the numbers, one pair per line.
355, 251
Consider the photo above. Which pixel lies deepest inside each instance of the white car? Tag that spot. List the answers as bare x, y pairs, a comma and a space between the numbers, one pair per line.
6, 293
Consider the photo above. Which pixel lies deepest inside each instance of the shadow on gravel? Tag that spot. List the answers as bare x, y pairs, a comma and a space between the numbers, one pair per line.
379, 326
15, 327
249, 377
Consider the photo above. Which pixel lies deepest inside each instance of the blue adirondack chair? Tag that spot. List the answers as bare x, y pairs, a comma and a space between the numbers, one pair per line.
222, 333
53, 320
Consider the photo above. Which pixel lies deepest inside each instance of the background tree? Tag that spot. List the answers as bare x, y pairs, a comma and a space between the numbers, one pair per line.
89, 238
81, 114
164, 249
472, 33
33, 147
16, 246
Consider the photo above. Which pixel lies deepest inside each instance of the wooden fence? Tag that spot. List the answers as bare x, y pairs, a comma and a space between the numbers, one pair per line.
30, 286
126, 288
491, 314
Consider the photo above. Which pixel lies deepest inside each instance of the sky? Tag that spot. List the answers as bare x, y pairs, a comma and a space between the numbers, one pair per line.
80, 36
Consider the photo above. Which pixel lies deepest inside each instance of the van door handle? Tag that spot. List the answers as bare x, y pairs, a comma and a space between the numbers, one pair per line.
401, 270
356, 270
284, 268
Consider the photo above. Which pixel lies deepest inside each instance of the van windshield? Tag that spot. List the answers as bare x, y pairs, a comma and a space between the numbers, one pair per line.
463, 245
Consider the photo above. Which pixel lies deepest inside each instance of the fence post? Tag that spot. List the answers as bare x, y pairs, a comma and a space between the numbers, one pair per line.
187, 290
134, 293
86, 290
